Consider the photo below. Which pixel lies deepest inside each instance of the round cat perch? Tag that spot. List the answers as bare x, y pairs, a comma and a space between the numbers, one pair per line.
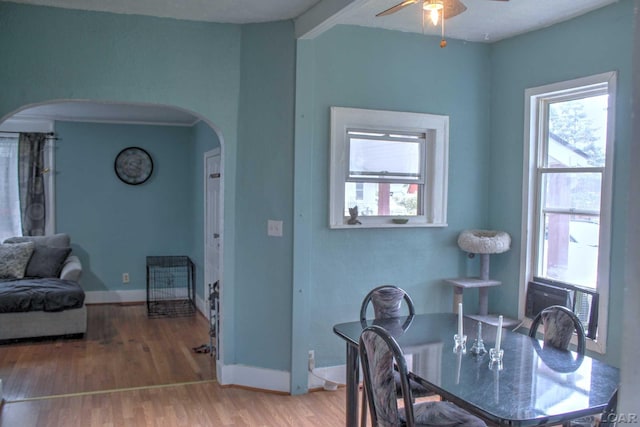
483, 243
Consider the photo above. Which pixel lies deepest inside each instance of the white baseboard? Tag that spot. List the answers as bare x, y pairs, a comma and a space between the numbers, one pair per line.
249, 376
112, 297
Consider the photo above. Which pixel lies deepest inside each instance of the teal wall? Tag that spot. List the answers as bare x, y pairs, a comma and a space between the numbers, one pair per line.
114, 226
264, 191
378, 69
52, 54
598, 42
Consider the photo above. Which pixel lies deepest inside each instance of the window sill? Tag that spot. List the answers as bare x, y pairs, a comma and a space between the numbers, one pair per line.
387, 225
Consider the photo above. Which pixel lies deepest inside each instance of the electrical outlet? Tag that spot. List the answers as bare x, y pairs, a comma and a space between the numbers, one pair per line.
125, 277
312, 360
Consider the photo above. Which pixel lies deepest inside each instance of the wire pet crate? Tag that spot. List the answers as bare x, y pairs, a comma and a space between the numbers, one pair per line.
170, 286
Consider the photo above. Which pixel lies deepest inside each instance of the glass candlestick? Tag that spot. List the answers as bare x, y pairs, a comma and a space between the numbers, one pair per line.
495, 358
478, 345
459, 343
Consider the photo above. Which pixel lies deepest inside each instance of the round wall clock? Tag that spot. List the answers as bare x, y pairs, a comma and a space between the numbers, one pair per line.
133, 165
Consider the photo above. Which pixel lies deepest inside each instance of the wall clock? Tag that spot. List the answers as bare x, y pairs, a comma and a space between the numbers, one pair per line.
133, 165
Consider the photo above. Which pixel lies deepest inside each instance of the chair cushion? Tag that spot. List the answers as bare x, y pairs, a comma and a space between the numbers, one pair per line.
444, 414
558, 329
386, 302
14, 259
417, 390
46, 261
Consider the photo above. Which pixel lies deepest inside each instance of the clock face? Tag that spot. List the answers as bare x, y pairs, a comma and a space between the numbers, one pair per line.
133, 165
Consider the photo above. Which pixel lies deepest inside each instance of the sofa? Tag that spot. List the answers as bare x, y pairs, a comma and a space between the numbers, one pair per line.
40, 294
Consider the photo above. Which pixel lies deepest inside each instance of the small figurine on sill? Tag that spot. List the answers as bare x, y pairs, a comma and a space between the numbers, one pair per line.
353, 212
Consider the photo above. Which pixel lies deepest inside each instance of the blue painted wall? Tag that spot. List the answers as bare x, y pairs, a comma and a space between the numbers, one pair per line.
114, 226
378, 69
598, 42
264, 191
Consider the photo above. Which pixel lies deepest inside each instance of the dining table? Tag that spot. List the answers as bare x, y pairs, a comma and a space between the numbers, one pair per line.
533, 384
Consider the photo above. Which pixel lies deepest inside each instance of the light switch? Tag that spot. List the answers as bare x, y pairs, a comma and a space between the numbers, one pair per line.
274, 228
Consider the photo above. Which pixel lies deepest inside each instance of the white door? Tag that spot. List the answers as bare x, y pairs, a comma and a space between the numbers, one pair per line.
212, 232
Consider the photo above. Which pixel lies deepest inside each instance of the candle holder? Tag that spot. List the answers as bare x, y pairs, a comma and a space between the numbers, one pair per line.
459, 343
495, 358
477, 348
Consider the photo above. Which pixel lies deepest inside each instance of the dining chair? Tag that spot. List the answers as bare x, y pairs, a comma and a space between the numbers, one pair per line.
559, 323
378, 351
387, 303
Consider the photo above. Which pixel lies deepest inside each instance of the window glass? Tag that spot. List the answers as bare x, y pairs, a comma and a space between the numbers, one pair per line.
577, 132
578, 191
376, 159
382, 199
570, 249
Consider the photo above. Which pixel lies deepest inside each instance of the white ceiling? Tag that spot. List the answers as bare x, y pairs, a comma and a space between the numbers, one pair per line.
483, 21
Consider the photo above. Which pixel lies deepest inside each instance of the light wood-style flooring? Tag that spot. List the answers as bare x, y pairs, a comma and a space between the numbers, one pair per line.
133, 371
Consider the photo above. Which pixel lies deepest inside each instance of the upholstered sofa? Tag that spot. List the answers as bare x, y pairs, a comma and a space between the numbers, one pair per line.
51, 269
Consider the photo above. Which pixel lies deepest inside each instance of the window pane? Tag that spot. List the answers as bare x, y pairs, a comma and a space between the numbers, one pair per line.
577, 132
10, 223
382, 199
370, 158
570, 249
572, 191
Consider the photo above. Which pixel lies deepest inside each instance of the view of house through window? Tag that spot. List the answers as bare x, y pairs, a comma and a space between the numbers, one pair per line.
385, 173
570, 180
391, 166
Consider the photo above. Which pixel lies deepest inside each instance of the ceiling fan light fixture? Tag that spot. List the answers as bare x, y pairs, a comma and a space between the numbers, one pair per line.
433, 7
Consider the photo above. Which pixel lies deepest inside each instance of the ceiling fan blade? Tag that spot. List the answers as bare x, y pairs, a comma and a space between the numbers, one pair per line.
397, 7
453, 8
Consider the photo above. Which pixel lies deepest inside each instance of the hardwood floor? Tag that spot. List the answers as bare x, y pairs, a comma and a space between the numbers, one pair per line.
133, 371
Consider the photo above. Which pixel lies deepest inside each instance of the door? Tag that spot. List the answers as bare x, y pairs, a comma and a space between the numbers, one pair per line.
213, 238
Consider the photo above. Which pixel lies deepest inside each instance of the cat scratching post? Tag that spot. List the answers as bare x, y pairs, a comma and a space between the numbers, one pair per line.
483, 243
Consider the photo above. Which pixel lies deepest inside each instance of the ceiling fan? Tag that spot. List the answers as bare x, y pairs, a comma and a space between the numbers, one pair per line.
446, 8
449, 8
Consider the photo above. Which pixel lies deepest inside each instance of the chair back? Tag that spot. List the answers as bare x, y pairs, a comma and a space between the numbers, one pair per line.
387, 302
559, 323
378, 350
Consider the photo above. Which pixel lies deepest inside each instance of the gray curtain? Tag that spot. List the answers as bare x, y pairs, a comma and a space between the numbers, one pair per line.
31, 183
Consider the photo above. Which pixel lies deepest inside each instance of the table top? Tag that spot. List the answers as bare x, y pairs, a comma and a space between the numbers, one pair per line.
535, 386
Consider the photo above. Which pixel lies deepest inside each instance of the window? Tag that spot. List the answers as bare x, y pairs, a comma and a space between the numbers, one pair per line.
10, 213
390, 165
568, 189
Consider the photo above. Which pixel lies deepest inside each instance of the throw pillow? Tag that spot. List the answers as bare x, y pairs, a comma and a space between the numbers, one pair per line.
14, 258
46, 261
60, 240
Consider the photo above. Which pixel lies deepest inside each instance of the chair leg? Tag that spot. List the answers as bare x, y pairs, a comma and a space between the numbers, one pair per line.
363, 410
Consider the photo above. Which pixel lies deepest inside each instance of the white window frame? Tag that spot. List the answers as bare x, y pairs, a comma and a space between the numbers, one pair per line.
44, 126
534, 99
434, 197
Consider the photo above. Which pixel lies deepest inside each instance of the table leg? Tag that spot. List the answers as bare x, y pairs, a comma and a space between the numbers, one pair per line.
353, 372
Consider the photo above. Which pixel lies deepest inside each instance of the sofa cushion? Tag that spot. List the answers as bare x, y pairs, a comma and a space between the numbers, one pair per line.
60, 240
46, 261
14, 259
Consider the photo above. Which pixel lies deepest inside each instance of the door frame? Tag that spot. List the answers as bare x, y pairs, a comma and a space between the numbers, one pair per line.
216, 152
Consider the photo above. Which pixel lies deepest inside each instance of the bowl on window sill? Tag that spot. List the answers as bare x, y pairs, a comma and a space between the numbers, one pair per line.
400, 220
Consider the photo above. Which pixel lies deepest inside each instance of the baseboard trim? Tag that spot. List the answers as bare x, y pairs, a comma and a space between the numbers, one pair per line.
255, 378
114, 297
133, 296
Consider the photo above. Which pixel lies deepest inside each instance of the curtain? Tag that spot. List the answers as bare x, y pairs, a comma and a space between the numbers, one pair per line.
31, 183
10, 223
